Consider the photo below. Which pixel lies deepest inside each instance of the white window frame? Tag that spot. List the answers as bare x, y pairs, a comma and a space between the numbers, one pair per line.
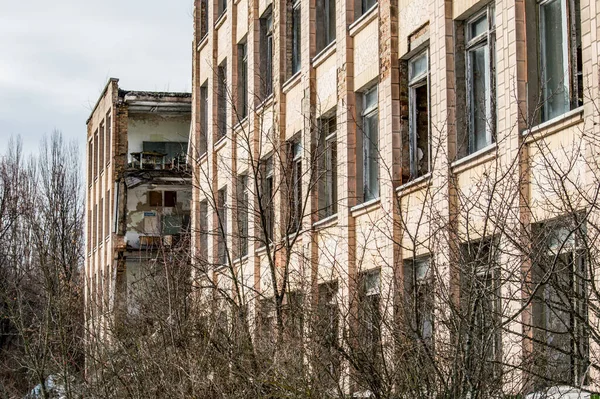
486, 40
369, 111
414, 83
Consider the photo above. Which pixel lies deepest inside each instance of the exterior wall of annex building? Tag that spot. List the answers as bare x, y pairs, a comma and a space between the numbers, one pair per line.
428, 150
138, 195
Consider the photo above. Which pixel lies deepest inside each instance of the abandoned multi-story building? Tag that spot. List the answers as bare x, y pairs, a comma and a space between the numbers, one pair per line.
438, 157
138, 192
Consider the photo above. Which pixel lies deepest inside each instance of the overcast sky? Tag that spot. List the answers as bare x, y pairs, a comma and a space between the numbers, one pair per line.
56, 57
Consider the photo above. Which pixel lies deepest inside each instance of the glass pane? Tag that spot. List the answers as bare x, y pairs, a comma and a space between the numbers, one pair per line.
370, 99
553, 60
478, 76
373, 157
418, 67
478, 27
296, 39
421, 269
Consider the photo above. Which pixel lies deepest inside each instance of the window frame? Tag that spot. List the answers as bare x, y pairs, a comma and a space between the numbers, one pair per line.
222, 8
326, 23
296, 36
414, 83
204, 116
266, 54
484, 40
370, 144
370, 312
266, 199
328, 166
420, 286
242, 214
242, 87
222, 226
221, 101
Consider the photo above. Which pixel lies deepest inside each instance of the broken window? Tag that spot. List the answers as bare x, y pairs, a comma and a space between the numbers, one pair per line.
155, 198
560, 311
108, 137
170, 198
370, 144
294, 39
480, 79
222, 226
328, 171
100, 224
222, 101
479, 298
242, 214
370, 313
107, 214
325, 23
203, 133
101, 148
242, 86
327, 334
296, 202
555, 75
418, 97
266, 53
266, 323
293, 315
419, 284
267, 214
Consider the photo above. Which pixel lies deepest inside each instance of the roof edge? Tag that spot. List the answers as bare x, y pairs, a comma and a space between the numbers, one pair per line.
110, 80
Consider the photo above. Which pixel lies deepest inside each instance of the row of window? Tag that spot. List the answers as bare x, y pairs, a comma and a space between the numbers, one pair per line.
99, 149
98, 222
559, 310
555, 85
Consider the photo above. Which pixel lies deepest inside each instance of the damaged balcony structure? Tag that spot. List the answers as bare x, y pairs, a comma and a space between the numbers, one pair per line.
137, 194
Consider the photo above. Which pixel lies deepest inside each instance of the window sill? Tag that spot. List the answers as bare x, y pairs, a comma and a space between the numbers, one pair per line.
363, 20
266, 102
365, 207
554, 125
323, 55
240, 124
221, 19
291, 82
477, 158
262, 250
203, 157
240, 260
324, 223
413, 185
220, 143
203, 42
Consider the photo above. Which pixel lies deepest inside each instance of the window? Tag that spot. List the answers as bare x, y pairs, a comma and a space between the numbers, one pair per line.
266, 53
203, 18
203, 134
362, 6
419, 284
222, 101
90, 157
267, 214
328, 166
101, 148
555, 81
108, 138
370, 145
560, 311
242, 84
242, 214
296, 202
221, 6
95, 154
480, 79
170, 198
222, 226
266, 323
203, 233
325, 23
327, 334
155, 198
418, 119
293, 315
370, 313
95, 225
107, 214
294, 39
480, 306
100, 221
